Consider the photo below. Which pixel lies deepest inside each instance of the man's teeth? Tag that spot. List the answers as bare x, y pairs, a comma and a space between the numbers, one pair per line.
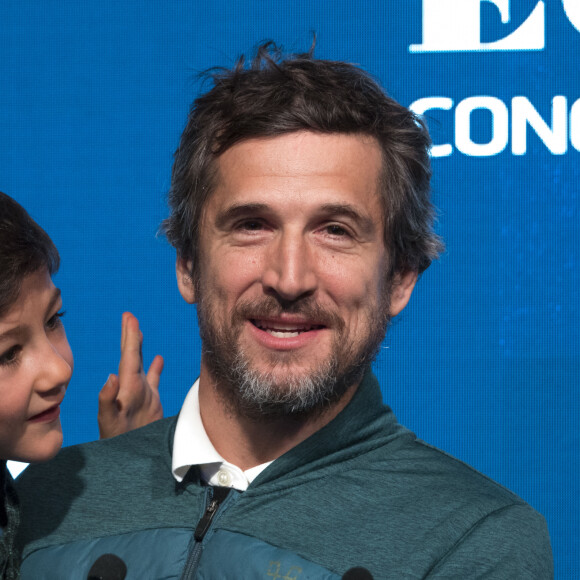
284, 332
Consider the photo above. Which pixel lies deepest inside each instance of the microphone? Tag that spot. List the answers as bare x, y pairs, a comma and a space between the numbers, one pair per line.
357, 573
108, 567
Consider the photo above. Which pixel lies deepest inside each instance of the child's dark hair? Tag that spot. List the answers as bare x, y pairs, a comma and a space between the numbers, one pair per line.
25, 248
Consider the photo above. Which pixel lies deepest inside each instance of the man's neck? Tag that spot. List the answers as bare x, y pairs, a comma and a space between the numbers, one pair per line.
247, 442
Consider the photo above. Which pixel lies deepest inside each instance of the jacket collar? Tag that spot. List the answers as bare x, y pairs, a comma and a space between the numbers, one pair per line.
363, 425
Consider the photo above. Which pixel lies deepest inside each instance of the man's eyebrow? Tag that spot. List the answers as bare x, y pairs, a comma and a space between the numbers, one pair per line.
16, 331
237, 211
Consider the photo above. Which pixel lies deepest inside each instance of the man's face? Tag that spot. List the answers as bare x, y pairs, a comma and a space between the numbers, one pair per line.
292, 294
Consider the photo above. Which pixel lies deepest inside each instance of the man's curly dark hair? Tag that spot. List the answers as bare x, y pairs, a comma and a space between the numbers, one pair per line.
274, 95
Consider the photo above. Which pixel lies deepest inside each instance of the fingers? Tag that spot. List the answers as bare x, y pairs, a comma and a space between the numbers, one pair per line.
131, 343
131, 399
154, 372
108, 408
109, 392
123, 326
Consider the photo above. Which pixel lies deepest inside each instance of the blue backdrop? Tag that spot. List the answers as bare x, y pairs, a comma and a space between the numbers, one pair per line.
484, 363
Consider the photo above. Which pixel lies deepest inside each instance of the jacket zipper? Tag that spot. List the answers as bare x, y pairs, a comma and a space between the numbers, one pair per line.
216, 496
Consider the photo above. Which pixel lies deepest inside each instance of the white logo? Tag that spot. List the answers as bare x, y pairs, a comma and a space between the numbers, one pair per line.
455, 25
572, 10
508, 123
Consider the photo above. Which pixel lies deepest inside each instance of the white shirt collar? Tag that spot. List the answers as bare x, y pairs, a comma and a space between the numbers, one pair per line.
191, 446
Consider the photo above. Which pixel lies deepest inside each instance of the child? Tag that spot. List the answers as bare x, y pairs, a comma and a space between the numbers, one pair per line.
36, 364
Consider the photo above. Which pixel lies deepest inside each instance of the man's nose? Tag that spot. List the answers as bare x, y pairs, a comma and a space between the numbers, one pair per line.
289, 271
54, 369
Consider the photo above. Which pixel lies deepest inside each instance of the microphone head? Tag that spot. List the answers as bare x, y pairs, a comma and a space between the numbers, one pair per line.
108, 567
357, 573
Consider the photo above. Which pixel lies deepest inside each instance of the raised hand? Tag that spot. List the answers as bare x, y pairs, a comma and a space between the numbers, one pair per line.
131, 399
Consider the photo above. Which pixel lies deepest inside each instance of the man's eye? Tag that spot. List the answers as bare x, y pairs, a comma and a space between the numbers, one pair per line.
55, 321
335, 230
10, 356
251, 225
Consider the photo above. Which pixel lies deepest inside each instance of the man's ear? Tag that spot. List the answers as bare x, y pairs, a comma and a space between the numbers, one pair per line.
402, 288
183, 269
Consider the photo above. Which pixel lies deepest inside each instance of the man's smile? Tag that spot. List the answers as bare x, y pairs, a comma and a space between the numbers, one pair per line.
285, 334
280, 329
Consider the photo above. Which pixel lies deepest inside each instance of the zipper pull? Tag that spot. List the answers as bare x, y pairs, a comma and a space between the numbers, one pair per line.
218, 495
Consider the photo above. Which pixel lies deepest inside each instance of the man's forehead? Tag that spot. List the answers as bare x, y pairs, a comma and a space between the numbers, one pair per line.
341, 168
294, 152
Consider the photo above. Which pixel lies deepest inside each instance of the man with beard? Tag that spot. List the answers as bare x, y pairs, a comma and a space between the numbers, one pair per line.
301, 217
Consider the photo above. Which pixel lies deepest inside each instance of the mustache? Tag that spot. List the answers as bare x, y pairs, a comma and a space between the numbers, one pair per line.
270, 307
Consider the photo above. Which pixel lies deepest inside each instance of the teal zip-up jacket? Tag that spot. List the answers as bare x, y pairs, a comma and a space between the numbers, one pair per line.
361, 492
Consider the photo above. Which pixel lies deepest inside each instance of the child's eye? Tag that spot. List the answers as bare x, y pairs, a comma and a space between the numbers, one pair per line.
55, 321
10, 356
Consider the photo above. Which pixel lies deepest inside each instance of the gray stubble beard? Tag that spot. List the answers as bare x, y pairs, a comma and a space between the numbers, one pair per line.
261, 396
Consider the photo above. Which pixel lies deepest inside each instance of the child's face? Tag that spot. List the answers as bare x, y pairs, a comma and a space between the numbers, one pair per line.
35, 367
